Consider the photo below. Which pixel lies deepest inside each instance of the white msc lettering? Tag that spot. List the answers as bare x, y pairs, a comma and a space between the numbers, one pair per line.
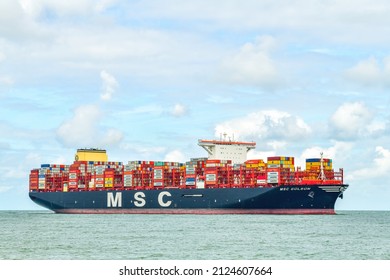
114, 201
139, 198
161, 201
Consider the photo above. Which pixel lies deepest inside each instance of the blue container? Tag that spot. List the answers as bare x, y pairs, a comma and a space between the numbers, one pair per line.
313, 160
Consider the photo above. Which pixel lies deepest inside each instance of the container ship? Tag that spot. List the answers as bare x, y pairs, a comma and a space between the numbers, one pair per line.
225, 182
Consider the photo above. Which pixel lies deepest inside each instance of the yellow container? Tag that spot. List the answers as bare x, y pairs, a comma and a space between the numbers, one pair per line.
91, 155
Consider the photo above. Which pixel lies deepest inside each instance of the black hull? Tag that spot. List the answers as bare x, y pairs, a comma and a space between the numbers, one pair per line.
308, 199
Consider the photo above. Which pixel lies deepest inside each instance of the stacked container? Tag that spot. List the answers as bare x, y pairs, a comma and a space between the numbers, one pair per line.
280, 169
315, 164
34, 179
83, 173
128, 174
167, 174
256, 164
273, 176
74, 174
255, 172
217, 172
191, 173
49, 177
196, 173
98, 176
141, 174
55, 177
281, 162
313, 168
211, 171
109, 177
43, 171
158, 174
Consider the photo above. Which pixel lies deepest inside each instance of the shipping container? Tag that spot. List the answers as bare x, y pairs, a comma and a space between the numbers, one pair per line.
92, 175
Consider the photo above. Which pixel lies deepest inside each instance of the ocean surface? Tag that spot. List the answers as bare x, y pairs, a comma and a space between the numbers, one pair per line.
43, 235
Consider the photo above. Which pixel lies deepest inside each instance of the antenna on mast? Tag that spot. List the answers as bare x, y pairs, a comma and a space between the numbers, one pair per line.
322, 176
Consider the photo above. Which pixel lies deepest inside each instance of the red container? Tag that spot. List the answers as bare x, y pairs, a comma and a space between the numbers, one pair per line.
213, 161
273, 158
273, 169
73, 184
254, 161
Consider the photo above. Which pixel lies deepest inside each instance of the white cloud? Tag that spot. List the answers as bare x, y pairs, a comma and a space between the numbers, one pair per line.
277, 145
6, 80
84, 41
109, 85
270, 125
150, 109
102, 5
340, 152
84, 129
366, 71
252, 64
179, 110
81, 128
5, 146
6, 187
15, 175
371, 72
377, 128
254, 154
379, 167
342, 21
111, 136
14, 24
143, 150
175, 156
36, 8
352, 120
219, 99
2, 56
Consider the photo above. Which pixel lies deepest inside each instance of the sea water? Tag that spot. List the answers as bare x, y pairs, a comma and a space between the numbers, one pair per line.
43, 235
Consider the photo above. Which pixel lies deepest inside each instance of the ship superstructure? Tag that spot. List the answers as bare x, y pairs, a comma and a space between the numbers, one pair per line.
227, 150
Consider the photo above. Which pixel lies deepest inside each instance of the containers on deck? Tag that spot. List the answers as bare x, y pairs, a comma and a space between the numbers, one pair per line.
315, 164
196, 173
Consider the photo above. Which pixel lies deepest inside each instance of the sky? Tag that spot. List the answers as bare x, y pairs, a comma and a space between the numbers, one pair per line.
146, 79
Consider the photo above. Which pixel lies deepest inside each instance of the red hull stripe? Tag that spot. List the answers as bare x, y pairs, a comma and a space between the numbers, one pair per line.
199, 211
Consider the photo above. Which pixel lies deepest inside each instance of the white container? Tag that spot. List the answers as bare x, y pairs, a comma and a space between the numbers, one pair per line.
200, 185
211, 177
